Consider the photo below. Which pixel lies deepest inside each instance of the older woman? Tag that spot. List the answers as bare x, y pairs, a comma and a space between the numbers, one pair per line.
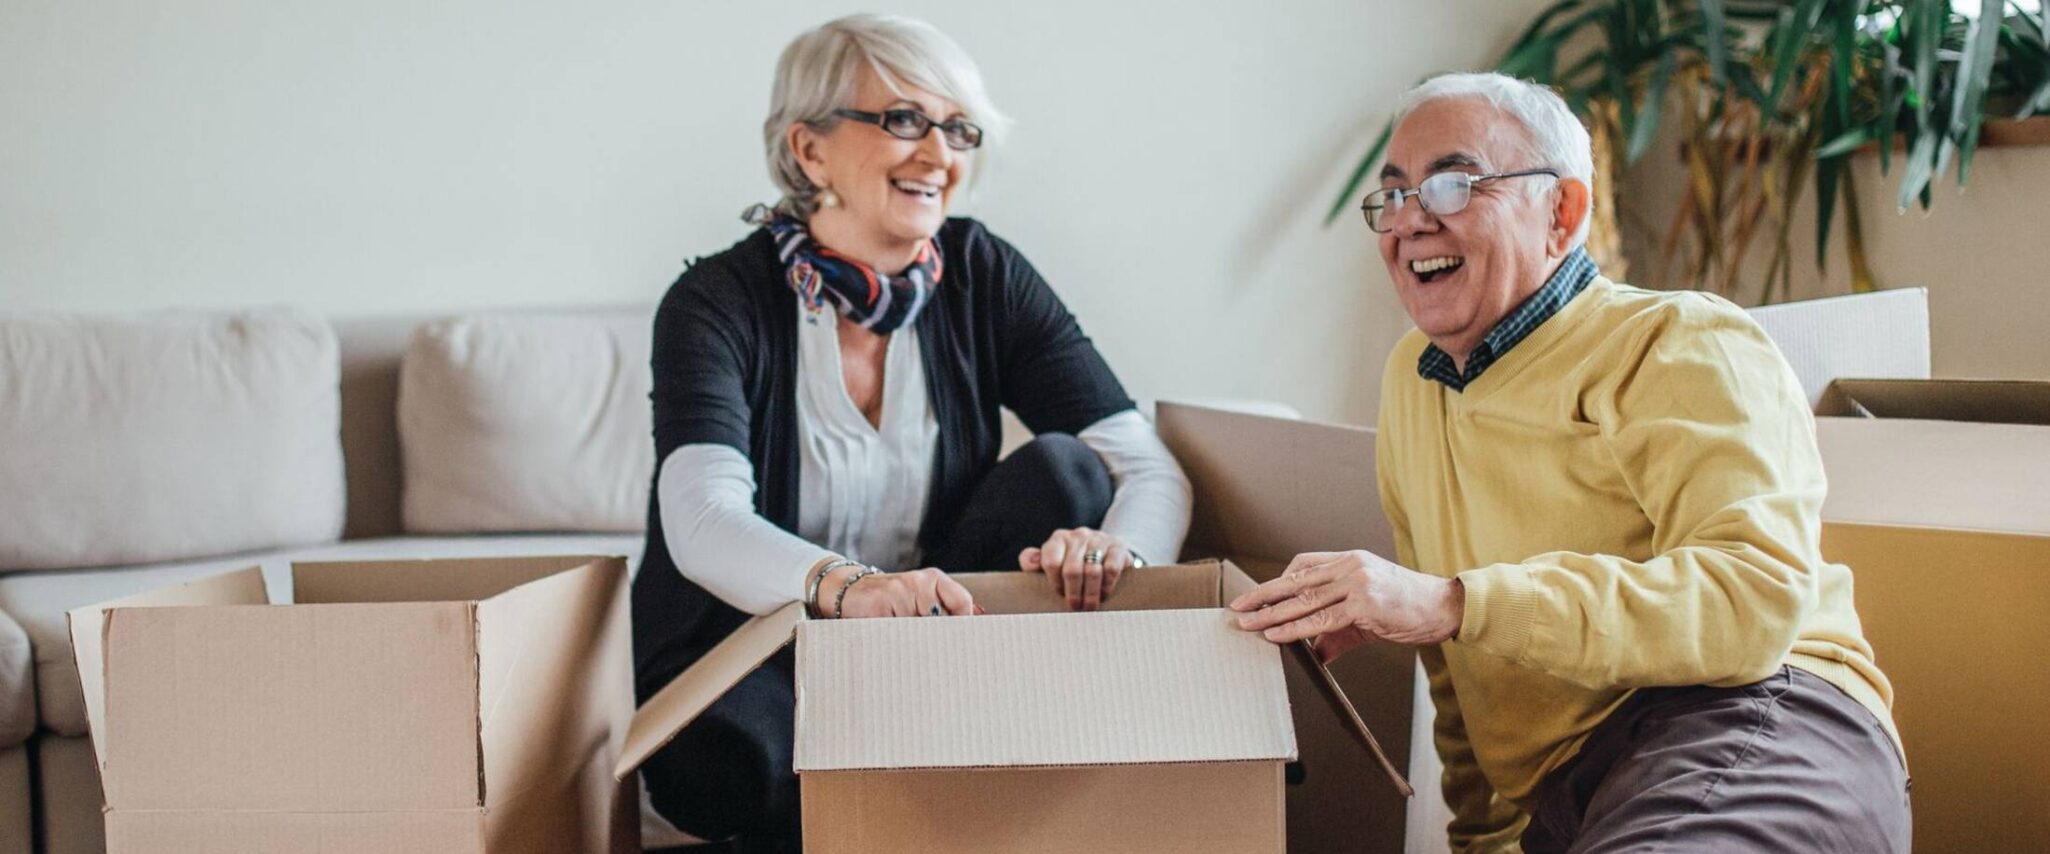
826, 411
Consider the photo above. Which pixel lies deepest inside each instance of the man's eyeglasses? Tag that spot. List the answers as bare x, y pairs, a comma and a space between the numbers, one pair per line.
1443, 194
913, 125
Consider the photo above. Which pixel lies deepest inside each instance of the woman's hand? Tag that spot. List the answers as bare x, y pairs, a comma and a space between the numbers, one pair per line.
917, 593
1344, 599
1082, 563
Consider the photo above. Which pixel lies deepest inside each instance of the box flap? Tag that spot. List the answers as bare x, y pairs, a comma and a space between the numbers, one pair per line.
434, 580
1341, 706
1232, 583
555, 676
580, 809
687, 696
1881, 334
1272, 488
87, 624
309, 708
1192, 585
1937, 474
1981, 401
1038, 690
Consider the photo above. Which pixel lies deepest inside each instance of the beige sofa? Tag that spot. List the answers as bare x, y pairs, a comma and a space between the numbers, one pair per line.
135, 453
139, 452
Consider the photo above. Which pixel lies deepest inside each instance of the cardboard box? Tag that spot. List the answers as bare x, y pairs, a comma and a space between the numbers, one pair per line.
1268, 489
399, 706
1946, 527
1878, 335
1939, 502
1153, 725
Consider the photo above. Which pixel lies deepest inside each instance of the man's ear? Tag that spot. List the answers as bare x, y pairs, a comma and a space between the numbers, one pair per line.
804, 142
1570, 206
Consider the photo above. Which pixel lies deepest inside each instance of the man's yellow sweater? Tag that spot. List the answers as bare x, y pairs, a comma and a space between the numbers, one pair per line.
1632, 497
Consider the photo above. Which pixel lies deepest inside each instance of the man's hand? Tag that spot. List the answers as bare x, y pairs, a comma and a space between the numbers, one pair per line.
1343, 599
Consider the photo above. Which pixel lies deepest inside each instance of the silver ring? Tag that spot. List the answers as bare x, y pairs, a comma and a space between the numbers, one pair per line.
1093, 556
934, 612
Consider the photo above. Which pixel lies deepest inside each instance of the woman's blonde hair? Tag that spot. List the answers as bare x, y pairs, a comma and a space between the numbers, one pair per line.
819, 71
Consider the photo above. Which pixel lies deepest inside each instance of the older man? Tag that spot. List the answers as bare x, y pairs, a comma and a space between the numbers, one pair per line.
1606, 508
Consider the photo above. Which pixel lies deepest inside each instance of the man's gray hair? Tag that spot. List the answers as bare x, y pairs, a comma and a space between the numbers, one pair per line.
821, 69
1555, 138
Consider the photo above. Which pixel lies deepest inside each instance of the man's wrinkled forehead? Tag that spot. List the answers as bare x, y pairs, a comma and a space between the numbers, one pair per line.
1456, 160
1463, 134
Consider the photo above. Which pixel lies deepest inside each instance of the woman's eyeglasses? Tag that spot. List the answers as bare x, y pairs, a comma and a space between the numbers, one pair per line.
913, 125
1443, 194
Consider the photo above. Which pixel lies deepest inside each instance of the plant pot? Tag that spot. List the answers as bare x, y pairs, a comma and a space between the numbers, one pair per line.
2034, 130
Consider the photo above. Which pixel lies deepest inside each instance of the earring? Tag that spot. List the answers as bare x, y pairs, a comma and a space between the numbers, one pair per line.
828, 198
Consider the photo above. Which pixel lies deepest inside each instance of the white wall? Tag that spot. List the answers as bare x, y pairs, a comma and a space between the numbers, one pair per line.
376, 156
1983, 252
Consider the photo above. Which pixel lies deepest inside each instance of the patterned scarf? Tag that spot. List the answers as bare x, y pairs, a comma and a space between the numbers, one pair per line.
879, 302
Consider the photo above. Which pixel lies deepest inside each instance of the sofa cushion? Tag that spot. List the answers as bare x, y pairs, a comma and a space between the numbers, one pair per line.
40, 600
150, 438
527, 422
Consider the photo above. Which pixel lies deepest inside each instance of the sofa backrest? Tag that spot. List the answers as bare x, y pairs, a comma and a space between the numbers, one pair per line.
148, 438
532, 421
444, 348
142, 438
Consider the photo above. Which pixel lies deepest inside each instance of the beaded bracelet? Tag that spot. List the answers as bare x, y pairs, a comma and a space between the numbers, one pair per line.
811, 594
840, 601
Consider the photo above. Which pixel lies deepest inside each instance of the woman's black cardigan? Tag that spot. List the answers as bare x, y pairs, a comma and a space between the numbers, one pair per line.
725, 372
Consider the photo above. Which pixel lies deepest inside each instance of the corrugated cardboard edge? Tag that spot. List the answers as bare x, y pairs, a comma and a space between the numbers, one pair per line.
477, 696
88, 625
692, 691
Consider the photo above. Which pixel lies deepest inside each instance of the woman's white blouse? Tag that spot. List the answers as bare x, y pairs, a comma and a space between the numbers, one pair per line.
861, 488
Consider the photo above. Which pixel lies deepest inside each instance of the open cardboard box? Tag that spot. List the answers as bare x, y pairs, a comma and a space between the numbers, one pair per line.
1154, 775
399, 706
1944, 519
1152, 725
1939, 502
